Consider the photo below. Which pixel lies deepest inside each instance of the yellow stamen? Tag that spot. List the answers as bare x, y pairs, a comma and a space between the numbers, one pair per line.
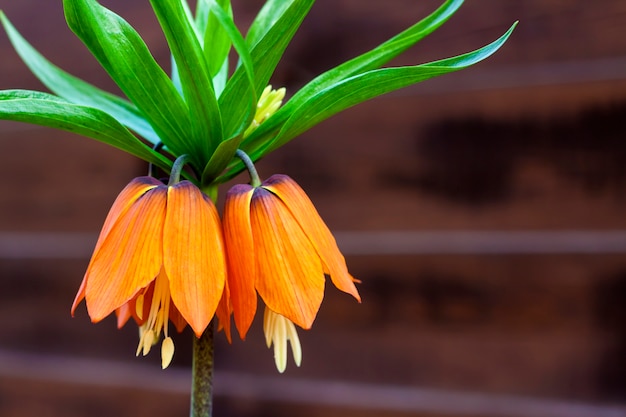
157, 321
278, 331
167, 352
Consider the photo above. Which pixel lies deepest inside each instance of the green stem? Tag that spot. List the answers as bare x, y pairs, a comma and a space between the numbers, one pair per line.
177, 168
202, 375
255, 181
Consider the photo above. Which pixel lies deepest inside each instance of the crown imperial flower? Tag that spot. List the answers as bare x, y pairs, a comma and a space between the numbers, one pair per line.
278, 246
159, 258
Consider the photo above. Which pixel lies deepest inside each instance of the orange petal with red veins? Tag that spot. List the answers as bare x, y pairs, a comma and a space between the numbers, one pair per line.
240, 256
129, 257
290, 274
135, 189
309, 219
193, 254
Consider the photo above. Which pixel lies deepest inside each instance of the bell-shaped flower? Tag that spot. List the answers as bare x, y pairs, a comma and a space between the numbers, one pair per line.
159, 258
278, 246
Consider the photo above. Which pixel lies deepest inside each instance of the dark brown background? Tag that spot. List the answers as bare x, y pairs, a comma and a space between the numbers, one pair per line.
532, 140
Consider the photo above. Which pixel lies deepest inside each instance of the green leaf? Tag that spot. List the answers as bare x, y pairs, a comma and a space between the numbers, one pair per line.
218, 37
125, 56
206, 124
190, 18
266, 54
267, 17
380, 55
371, 84
355, 90
210, 32
240, 103
235, 38
47, 110
373, 59
76, 90
222, 156
227, 149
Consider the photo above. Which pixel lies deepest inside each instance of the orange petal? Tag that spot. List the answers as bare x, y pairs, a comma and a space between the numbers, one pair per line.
223, 312
129, 257
290, 274
309, 219
240, 256
80, 296
124, 313
126, 198
193, 254
177, 319
135, 189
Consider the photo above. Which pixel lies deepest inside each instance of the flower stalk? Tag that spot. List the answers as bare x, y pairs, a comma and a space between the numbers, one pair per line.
255, 180
202, 374
177, 168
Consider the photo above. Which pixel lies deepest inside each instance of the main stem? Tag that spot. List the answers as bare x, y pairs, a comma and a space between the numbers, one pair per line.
202, 374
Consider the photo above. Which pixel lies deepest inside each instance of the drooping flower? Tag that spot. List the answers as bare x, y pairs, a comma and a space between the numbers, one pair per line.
278, 246
159, 258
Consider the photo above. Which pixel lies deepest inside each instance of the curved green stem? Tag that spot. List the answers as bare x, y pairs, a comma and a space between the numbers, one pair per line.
202, 375
179, 163
255, 181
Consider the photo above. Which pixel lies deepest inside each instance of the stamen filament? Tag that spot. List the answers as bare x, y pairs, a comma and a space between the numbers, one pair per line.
278, 331
157, 321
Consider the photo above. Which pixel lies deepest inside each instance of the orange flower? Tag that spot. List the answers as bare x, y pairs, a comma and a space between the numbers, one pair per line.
277, 245
159, 258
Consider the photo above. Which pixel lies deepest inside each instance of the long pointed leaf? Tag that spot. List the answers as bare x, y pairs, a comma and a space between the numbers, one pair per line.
226, 150
356, 90
76, 90
266, 54
371, 84
378, 56
210, 32
217, 40
194, 77
47, 110
235, 38
375, 58
267, 17
221, 158
125, 56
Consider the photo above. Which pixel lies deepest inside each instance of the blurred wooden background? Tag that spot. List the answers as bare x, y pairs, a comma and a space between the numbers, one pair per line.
484, 212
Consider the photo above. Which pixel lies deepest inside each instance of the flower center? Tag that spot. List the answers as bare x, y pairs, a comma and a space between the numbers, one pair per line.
278, 331
157, 321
